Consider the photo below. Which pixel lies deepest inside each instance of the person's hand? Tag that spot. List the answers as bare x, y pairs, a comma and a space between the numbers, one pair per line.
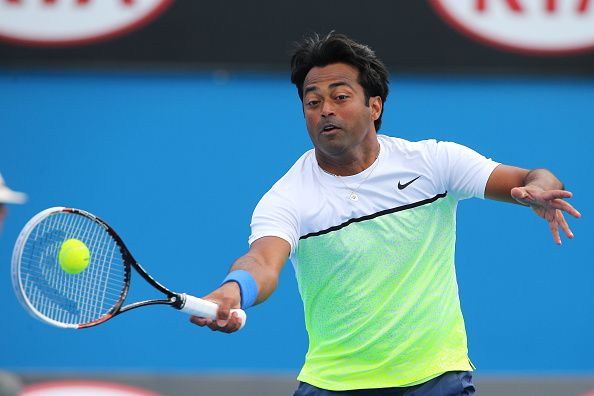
227, 296
549, 205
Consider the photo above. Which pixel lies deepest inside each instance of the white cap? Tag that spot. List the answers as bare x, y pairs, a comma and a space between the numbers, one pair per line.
9, 196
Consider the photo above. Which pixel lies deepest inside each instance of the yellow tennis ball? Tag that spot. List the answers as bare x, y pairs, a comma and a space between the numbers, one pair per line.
74, 256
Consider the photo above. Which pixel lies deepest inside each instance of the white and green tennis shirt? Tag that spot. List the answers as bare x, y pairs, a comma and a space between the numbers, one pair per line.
377, 275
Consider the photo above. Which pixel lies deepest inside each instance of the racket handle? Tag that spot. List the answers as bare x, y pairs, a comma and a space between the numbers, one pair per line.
206, 309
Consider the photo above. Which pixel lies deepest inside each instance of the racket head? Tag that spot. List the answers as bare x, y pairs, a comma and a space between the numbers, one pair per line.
56, 297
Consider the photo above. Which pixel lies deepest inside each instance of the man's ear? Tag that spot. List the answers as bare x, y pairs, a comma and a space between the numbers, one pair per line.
376, 105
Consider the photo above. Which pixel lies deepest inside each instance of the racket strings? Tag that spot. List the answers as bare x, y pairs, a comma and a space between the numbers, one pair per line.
72, 298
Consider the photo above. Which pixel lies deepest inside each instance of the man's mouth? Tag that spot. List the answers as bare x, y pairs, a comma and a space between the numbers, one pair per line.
329, 127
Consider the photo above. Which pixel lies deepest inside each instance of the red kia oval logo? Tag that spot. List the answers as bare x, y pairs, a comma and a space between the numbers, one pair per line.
71, 22
84, 387
533, 26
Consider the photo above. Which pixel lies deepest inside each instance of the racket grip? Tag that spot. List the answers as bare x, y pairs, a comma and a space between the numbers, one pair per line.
206, 309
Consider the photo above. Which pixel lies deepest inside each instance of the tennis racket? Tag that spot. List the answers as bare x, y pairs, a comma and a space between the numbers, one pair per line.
95, 294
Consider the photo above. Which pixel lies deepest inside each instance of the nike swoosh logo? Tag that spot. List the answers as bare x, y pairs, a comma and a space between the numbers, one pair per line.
403, 186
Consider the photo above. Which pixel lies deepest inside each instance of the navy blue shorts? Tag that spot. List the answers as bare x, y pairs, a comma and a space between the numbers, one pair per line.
454, 383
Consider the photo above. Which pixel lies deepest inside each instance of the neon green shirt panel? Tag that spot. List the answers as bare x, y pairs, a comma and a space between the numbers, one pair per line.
381, 300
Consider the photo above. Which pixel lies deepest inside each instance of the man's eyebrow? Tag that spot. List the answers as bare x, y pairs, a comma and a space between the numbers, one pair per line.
338, 84
314, 88
311, 89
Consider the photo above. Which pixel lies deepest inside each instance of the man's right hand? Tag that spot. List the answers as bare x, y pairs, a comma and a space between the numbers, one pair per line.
227, 296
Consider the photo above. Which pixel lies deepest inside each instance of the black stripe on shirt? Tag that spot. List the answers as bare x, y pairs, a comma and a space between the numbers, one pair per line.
374, 215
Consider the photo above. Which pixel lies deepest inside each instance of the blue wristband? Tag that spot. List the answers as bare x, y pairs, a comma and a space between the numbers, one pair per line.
247, 286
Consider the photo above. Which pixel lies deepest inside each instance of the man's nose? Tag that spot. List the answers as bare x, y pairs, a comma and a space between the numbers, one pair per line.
327, 109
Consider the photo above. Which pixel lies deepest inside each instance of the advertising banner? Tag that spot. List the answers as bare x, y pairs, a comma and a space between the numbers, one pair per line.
476, 36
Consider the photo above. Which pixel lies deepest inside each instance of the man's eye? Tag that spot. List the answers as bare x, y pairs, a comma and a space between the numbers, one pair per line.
341, 97
312, 103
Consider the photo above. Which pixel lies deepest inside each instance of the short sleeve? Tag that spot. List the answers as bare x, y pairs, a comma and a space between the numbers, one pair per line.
276, 215
464, 171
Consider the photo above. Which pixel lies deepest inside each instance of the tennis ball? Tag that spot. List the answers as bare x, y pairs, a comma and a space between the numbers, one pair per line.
74, 256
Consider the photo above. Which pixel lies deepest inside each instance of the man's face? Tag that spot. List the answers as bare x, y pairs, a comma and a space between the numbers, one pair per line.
337, 118
3, 212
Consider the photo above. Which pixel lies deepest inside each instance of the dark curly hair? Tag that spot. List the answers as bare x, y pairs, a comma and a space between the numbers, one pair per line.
337, 48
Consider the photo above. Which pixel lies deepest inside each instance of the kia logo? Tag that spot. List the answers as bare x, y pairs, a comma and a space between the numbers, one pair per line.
544, 27
84, 387
73, 22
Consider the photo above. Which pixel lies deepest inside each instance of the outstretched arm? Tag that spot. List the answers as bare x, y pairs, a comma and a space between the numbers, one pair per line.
264, 261
537, 188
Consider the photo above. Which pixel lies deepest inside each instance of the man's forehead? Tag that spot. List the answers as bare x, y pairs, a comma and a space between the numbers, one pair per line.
335, 74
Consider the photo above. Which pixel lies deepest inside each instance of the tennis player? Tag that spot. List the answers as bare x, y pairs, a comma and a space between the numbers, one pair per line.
10, 384
369, 223
8, 196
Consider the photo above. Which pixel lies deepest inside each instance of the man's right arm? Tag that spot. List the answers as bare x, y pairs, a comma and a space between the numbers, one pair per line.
264, 261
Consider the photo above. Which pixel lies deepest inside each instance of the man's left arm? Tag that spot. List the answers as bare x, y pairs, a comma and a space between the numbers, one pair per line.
537, 188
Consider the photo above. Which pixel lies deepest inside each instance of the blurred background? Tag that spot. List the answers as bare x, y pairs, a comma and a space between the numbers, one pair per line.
170, 119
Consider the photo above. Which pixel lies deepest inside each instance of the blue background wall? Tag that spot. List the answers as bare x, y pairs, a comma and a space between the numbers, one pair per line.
176, 163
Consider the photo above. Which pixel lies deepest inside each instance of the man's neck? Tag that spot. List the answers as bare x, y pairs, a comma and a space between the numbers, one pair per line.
348, 164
